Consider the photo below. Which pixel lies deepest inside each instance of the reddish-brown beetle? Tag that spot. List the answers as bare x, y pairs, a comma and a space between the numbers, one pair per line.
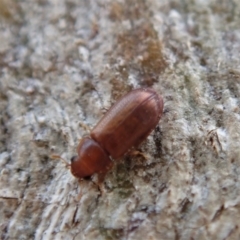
127, 123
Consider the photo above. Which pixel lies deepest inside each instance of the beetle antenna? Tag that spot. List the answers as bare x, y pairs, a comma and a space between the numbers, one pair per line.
60, 158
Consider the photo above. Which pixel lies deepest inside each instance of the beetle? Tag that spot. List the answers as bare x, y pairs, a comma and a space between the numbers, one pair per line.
126, 124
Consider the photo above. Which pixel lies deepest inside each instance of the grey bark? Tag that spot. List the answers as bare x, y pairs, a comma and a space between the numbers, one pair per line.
64, 62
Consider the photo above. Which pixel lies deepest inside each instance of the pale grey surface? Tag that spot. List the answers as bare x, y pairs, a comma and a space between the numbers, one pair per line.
64, 62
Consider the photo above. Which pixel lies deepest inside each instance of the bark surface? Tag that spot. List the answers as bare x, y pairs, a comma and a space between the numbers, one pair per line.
64, 62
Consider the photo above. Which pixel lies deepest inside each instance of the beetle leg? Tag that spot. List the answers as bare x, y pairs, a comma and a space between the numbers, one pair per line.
85, 127
135, 153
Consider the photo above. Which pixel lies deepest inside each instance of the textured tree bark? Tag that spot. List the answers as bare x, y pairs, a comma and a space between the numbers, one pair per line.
64, 62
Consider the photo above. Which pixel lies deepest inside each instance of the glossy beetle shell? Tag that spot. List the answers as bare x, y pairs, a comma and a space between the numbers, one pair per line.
91, 159
127, 123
